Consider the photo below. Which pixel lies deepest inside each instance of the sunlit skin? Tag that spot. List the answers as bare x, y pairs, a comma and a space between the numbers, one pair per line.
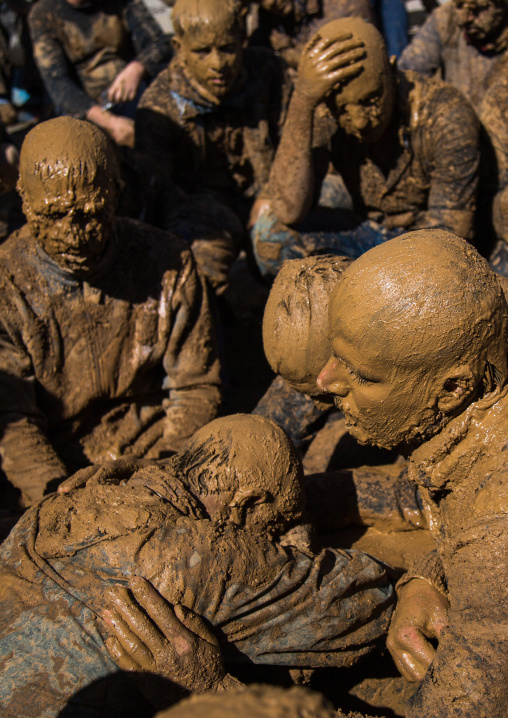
481, 19
212, 58
282, 8
71, 220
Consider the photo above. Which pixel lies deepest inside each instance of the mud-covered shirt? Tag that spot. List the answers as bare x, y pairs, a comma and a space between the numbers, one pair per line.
432, 177
226, 148
80, 50
462, 474
268, 604
120, 362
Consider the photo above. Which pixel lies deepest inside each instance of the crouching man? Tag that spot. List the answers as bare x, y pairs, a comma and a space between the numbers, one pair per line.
418, 329
106, 341
204, 529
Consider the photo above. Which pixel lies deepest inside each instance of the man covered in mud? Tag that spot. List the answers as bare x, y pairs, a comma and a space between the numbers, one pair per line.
107, 346
467, 40
97, 55
406, 147
287, 25
418, 329
204, 529
211, 121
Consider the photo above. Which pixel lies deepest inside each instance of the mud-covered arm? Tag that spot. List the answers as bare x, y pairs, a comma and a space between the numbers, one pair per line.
324, 65
297, 413
379, 496
191, 361
28, 458
54, 66
469, 675
452, 154
152, 47
423, 54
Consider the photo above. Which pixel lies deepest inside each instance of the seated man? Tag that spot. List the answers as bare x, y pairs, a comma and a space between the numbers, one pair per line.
467, 41
287, 25
106, 340
418, 329
93, 55
211, 120
406, 147
203, 528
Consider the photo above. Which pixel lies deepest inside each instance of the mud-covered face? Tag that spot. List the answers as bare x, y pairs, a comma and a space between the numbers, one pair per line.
282, 8
71, 220
384, 403
212, 58
364, 107
481, 19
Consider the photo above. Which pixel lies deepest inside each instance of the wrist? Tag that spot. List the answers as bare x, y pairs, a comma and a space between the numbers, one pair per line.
304, 100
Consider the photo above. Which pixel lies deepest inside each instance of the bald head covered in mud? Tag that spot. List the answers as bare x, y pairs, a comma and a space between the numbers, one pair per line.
245, 470
418, 330
69, 182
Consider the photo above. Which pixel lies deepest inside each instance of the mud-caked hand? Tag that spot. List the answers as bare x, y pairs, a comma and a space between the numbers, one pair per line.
125, 85
420, 615
326, 65
149, 634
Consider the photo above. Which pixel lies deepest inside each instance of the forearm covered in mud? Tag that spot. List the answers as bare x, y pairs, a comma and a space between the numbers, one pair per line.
291, 184
191, 362
378, 496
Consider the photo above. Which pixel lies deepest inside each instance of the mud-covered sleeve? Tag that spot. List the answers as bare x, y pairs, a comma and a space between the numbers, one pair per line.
423, 54
469, 675
452, 155
275, 605
298, 414
379, 496
153, 48
54, 66
191, 361
28, 458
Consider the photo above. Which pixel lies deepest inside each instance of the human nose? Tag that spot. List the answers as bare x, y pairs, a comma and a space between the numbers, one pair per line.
358, 115
217, 60
330, 379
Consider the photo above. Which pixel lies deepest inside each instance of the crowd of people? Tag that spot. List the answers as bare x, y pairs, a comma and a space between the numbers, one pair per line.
346, 182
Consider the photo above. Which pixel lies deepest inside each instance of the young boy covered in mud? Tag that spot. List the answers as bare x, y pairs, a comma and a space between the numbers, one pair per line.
467, 41
204, 529
211, 121
406, 147
91, 54
418, 330
107, 344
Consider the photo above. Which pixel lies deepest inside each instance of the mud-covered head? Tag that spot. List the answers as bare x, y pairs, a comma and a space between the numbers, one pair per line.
483, 20
418, 331
295, 322
69, 183
245, 469
208, 40
254, 702
363, 107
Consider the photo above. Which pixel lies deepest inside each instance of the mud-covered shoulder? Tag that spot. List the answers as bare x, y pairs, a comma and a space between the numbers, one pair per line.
158, 93
165, 249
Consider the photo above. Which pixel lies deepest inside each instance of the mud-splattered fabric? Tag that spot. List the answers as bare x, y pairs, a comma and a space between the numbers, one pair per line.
269, 604
288, 35
122, 362
227, 148
462, 475
80, 50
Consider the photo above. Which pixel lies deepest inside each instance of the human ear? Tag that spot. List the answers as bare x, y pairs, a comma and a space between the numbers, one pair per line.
175, 41
245, 499
457, 385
